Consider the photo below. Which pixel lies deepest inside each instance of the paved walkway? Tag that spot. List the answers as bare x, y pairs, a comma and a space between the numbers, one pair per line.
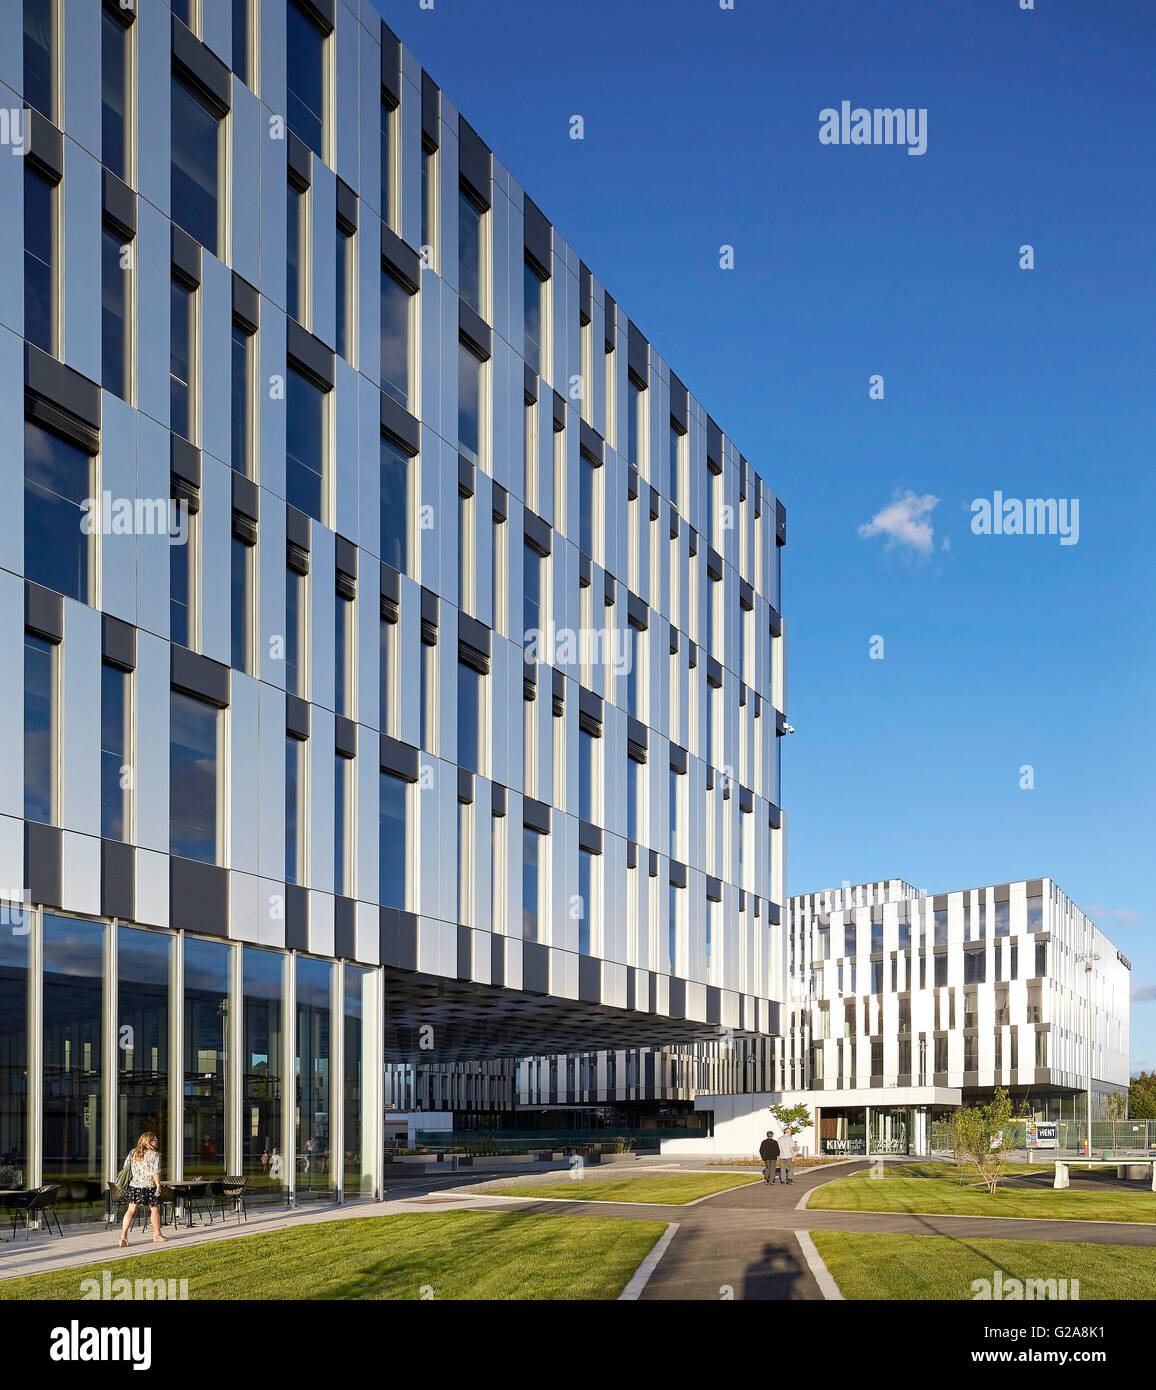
742, 1243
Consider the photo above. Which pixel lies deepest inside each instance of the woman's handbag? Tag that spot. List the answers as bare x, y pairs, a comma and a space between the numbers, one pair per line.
124, 1177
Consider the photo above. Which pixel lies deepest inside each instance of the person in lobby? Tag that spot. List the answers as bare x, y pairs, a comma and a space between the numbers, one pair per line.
144, 1188
787, 1155
769, 1153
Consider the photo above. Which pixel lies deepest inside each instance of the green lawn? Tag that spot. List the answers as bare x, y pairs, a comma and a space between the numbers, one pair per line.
459, 1255
941, 1267
671, 1189
933, 1189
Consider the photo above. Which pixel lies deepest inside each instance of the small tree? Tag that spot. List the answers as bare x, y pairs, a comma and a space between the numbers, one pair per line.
1116, 1107
980, 1135
792, 1117
957, 1132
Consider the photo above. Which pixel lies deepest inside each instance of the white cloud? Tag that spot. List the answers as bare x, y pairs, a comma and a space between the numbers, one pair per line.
1121, 916
905, 521
1144, 991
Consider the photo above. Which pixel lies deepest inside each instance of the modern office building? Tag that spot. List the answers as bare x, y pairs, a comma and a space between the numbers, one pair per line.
905, 1005
323, 425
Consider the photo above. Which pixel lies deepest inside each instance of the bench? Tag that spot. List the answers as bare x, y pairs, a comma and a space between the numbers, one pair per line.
1121, 1166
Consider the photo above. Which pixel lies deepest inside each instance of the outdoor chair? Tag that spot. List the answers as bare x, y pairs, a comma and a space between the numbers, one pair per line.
229, 1192
35, 1203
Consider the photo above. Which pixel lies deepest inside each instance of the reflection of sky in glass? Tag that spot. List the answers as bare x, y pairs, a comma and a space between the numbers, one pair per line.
262, 974
313, 983
394, 506
73, 947
469, 251
193, 779
469, 402
395, 314
206, 967
142, 957
57, 479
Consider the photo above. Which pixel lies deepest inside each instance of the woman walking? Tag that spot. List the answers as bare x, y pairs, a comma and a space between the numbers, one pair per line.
144, 1187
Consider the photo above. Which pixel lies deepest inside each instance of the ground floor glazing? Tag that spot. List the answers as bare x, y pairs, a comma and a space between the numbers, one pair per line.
242, 1059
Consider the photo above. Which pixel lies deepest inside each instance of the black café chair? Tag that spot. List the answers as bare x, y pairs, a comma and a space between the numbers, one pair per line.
35, 1203
228, 1192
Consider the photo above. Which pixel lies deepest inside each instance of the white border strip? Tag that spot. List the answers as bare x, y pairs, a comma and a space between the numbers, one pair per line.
642, 1274
827, 1286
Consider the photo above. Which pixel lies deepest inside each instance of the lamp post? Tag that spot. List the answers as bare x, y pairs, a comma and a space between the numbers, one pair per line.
1087, 958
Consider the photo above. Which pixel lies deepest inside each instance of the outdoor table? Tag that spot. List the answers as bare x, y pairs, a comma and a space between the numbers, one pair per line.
188, 1191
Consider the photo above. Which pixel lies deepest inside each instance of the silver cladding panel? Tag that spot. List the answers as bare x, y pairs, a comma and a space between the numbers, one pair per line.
135, 569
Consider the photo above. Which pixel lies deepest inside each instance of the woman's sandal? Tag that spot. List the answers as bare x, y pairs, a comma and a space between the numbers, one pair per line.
122, 1241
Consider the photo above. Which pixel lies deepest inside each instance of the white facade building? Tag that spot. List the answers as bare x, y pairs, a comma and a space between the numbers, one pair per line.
905, 1005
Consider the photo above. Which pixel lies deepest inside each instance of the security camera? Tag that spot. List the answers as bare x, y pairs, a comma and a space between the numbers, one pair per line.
788, 728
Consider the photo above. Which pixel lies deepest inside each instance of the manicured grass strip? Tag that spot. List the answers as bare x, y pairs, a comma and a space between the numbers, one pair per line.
673, 1190
460, 1255
942, 1267
933, 1189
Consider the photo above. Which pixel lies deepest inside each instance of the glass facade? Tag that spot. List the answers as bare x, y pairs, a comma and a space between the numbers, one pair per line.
533, 302
115, 753
144, 961
39, 258
196, 161
206, 1053
469, 402
109, 1005
361, 1021
39, 729
114, 334
396, 338
315, 1176
305, 425
72, 1011
57, 481
14, 990
114, 69
305, 77
263, 1144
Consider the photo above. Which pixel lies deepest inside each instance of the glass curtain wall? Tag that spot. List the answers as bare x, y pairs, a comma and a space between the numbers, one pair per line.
361, 1107
112, 1009
206, 1049
313, 1074
262, 1061
14, 939
144, 968
73, 1116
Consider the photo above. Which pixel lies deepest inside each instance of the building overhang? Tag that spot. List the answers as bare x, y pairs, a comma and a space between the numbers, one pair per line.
429, 1019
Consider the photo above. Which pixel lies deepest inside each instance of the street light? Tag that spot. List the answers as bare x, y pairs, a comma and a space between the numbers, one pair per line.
1087, 957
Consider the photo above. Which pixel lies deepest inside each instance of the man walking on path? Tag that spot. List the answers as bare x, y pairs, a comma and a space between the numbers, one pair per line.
769, 1153
787, 1155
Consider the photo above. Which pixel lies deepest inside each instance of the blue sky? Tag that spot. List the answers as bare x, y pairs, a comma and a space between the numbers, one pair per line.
701, 129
